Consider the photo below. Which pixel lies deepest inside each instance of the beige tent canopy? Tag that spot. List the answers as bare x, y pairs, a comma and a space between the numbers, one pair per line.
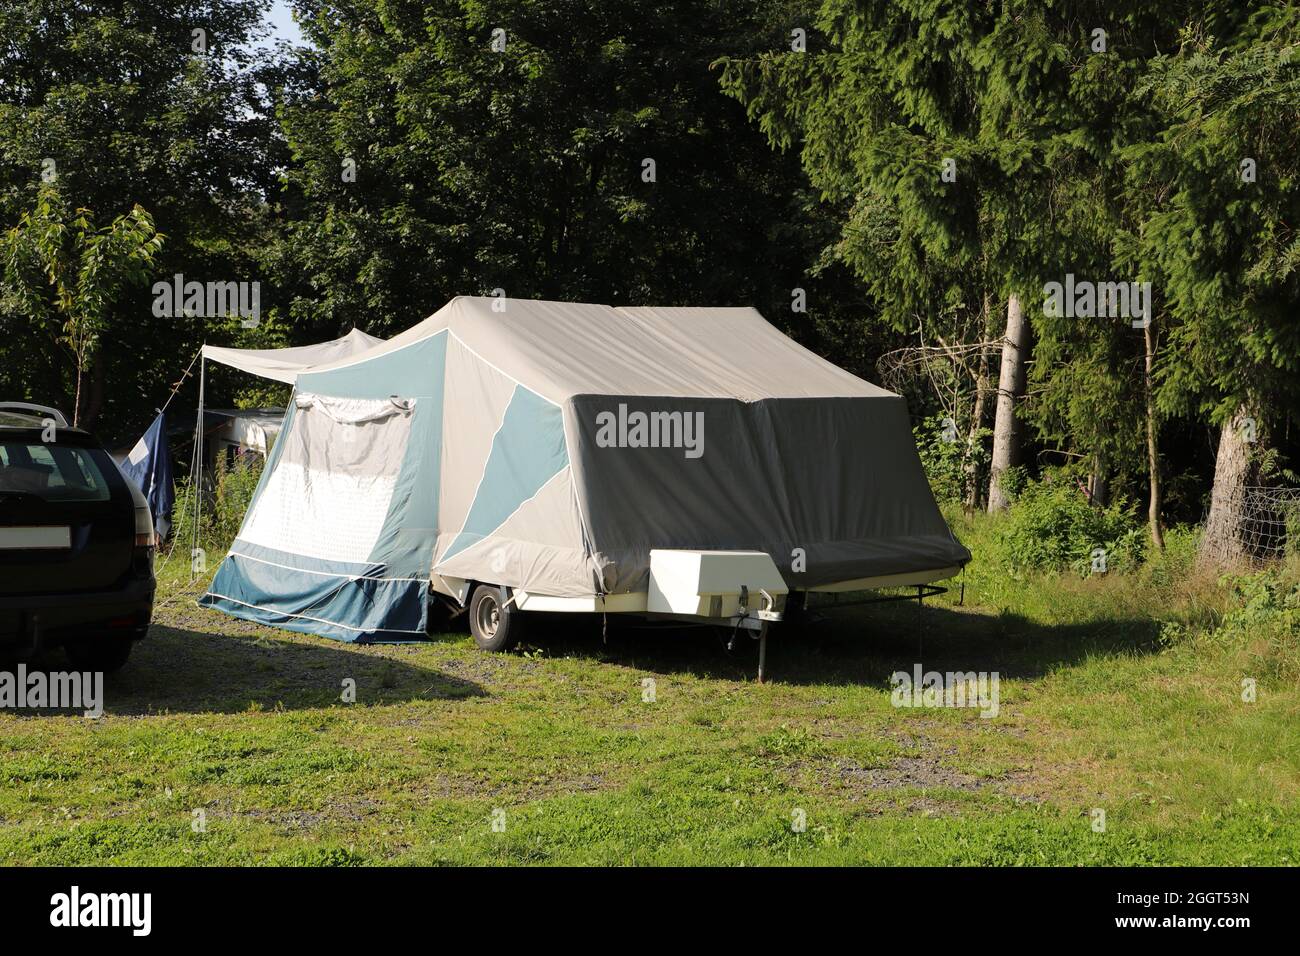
284, 365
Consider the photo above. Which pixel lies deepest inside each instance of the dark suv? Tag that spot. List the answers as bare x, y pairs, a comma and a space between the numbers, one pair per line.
76, 545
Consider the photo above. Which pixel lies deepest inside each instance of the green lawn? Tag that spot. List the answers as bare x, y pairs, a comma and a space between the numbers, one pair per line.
246, 724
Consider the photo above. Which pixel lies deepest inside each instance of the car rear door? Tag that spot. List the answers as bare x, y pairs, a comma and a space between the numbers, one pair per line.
67, 520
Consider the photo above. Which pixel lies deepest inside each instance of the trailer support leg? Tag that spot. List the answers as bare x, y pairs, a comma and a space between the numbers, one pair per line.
762, 653
920, 623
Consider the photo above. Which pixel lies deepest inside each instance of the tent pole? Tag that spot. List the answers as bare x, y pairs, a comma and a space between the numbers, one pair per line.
196, 477
920, 623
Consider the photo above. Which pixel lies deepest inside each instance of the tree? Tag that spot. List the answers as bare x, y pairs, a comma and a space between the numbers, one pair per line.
937, 130
1011, 383
1067, 128
68, 274
119, 103
1221, 237
558, 150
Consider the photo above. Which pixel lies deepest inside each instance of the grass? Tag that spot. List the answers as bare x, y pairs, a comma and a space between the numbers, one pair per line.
228, 743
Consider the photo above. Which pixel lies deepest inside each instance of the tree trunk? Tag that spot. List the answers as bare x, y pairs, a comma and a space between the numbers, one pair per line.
1099, 481
1011, 382
1153, 458
76, 398
970, 463
95, 399
1222, 542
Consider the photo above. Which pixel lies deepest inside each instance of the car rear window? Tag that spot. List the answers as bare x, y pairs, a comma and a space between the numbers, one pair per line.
51, 472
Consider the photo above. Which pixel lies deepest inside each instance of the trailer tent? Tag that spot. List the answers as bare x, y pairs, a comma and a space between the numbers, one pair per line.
549, 446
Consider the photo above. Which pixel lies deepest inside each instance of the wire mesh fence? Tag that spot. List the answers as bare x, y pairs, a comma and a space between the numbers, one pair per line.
1269, 524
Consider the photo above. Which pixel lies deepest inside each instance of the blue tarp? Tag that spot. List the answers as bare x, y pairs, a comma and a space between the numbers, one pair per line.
149, 465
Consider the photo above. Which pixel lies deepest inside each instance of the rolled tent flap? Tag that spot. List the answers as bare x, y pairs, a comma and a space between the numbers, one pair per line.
550, 446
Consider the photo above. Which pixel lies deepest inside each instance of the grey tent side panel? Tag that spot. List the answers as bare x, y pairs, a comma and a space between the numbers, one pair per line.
835, 480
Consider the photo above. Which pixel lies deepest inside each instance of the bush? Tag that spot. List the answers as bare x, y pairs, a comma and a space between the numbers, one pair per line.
223, 509
1175, 567
1013, 480
234, 493
1051, 526
945, 458
1265, 617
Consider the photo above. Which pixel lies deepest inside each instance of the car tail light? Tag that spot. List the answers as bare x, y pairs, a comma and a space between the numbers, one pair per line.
145, 539
144, 536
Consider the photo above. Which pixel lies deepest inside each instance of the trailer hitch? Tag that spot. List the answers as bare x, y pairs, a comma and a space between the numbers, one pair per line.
757, 624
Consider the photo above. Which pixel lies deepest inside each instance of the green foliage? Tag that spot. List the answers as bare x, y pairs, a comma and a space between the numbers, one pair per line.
941, 457
789, 742
1114, 164
235, 486
317, 856
1169, 569
66, 273
182, 527
224, 506
523, 169
109, 102
950, 458
1223, 249
1265, 617
1014, 480
1051, 526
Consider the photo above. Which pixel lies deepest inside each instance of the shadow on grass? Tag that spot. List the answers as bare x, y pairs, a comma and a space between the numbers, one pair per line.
197, 670
180, 670
861, 645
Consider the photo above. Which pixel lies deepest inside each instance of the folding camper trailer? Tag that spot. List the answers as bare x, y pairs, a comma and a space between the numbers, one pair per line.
516, 455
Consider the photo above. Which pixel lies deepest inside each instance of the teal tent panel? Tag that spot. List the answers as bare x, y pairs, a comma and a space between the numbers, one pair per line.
406, 543
527, 451
342, 600
413, 371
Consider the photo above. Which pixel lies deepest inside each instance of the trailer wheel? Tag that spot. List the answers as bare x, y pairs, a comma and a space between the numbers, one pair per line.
493, 618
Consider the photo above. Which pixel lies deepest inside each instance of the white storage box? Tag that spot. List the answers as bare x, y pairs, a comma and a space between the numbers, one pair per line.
710, 583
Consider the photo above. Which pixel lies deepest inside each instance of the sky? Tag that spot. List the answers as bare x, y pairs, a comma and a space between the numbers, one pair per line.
282, 24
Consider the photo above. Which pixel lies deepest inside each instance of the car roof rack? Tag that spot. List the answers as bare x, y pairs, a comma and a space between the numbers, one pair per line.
53, 413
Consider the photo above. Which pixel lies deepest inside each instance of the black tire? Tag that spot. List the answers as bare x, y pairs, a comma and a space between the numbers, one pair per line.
107, 653
493, 618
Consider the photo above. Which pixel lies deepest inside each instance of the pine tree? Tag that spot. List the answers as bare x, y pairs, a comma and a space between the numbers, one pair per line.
1221, 189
